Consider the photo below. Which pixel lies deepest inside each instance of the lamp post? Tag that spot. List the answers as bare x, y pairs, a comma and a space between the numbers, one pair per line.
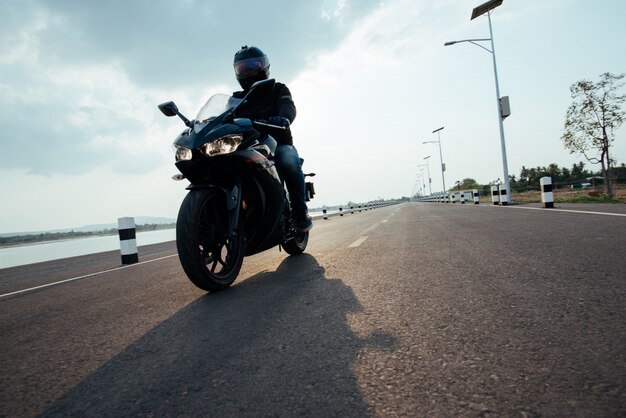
443, 166
421, 174
422, 166
430, 190
479, 11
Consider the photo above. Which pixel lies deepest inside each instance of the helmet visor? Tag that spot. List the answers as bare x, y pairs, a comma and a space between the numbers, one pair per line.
250, 67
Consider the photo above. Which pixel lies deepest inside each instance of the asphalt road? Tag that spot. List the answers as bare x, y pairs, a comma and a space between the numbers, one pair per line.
418, 309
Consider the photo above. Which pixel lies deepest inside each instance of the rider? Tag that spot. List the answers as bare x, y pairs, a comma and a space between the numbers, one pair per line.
252, 65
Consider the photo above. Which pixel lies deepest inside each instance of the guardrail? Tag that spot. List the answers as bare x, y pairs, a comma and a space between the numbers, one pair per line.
457, 196
347, 210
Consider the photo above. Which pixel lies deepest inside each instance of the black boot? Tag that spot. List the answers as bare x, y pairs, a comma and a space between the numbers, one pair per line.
302, 220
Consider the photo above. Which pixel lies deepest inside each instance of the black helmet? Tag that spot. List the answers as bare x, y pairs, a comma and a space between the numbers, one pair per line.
251, 65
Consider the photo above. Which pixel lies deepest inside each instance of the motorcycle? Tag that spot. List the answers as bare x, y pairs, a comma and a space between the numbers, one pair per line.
237, 204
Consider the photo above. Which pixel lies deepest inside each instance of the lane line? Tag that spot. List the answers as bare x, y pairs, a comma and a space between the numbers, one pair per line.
358, 242
566, 210
373, 227
83, 277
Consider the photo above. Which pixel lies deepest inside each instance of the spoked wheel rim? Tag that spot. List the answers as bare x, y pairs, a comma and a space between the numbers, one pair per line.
210, 256
218, 252
218, 258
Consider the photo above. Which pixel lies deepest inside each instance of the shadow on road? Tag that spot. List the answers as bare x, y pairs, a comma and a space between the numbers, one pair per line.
276, 344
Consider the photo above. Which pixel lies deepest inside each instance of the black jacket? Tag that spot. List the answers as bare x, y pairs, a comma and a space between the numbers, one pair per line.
277, 103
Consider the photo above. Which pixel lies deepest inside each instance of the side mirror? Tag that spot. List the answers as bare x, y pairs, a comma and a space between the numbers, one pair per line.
169, 108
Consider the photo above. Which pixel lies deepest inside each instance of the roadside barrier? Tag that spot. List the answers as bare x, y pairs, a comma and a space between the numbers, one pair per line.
128, 240
499, 195
547, 197
504, 199
495, 197
326, 212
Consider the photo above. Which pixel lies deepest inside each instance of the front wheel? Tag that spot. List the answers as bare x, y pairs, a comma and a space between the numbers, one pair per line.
296, 244
210, 258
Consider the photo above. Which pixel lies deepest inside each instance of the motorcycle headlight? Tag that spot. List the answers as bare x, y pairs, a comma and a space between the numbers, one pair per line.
223, 145
182, 153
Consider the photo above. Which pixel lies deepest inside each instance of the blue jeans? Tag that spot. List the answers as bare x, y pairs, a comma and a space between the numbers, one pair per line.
290, 170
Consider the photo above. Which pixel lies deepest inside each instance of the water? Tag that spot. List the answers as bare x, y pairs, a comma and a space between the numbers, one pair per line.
35, 253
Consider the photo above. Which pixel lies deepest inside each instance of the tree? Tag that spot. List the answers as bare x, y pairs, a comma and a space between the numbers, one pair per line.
554, 171
592, 119
467, 183
579, 172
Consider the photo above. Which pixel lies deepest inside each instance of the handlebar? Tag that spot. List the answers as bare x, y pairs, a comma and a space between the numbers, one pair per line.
256, 122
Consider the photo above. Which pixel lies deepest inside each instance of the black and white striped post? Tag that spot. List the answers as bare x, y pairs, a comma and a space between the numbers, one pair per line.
359, 208
462, 198
547, 197
128, 241
476, 196
340, 211
351, 210
504, 199
495, 197
325, 212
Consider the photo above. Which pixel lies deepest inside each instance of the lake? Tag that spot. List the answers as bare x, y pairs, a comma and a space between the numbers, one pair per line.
46, 251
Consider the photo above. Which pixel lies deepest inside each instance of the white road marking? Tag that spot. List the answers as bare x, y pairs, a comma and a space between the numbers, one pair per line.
358, 242
83, 277
371, 228
565, 210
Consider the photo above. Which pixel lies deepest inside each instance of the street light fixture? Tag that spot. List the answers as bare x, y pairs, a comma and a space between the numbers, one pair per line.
502, 103
443, 166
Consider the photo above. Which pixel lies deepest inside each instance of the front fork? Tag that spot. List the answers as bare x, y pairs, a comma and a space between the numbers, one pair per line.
233, 204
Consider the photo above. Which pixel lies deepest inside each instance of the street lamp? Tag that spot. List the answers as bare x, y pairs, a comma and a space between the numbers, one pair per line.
421, 167
443, 166
502, 104
430, 190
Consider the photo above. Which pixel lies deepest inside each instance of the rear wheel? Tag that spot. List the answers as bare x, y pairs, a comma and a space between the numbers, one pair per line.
297, 244
211, 259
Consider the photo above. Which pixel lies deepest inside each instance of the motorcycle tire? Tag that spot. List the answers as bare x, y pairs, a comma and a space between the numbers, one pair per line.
209, 257
297, 244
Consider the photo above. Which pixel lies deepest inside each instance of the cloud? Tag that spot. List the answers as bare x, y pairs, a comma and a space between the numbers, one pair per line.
75, 118
169, 43
80, 80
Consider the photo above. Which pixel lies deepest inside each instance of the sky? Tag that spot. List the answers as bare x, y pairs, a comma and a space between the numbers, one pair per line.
82, 141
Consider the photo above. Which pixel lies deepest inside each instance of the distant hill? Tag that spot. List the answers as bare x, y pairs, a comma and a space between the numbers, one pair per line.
139, 220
